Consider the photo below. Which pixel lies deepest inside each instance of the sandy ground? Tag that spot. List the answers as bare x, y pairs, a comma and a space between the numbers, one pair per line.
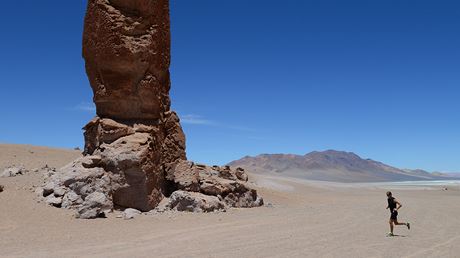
306, 219
32, 157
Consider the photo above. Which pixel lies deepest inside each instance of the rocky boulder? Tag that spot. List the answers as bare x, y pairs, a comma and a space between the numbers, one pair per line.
95, 205
194, 202
130, 213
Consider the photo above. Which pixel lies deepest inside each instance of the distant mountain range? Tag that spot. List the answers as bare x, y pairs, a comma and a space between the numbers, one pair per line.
331, 165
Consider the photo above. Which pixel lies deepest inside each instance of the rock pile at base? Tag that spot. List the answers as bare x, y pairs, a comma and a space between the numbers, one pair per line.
222, 186
135, 147
85, 186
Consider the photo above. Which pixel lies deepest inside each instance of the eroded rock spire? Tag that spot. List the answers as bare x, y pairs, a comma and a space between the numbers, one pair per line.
134, 153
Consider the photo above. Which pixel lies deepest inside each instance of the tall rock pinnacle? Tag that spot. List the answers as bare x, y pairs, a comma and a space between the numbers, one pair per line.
135, 147
126, 46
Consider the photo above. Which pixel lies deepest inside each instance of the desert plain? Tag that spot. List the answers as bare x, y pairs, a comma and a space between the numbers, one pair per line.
300, 218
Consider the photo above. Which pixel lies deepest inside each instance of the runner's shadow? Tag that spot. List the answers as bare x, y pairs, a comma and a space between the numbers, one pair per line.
399, 235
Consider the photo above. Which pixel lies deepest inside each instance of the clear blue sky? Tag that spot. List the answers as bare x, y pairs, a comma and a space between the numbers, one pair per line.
379, 78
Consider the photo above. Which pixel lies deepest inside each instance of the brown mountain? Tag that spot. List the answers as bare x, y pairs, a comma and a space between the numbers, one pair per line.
330, 165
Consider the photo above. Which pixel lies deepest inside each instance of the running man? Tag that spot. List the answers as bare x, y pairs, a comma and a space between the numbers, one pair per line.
394, 206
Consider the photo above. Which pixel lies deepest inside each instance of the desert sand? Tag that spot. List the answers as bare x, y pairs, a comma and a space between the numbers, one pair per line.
302, 219
32, 157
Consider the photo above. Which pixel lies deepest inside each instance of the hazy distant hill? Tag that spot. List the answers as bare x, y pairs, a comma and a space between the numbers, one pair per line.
331, 165
454, 175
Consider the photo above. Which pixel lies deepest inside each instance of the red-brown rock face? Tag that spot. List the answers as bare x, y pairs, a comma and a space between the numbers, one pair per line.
126, 46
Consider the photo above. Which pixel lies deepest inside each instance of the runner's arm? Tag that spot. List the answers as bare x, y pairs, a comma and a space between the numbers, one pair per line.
399, 205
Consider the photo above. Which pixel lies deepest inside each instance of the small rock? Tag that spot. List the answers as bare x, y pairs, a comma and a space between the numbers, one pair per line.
227, 173
1, 188
258, 202
86, 213
241, 175
60, 191
13, 171
130, 213
54, 201
48, 188
71, 199
91, 161
94, 206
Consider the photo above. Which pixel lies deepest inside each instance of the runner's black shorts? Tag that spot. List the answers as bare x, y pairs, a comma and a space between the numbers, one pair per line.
394, 215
